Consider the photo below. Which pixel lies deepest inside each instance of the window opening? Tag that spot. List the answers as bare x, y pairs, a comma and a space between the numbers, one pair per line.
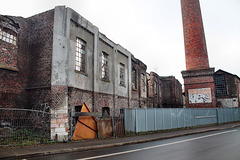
105, 112
134, 79
105, 68
80, 55
220, 84
122, 74
155, 87
8, 36
143, 82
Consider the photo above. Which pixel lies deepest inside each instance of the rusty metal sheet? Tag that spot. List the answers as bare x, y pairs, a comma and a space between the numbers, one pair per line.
86, 127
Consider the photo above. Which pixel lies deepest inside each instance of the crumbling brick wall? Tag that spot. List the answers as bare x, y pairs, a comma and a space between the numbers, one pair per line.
171, 93
40, 47
155, 91
135, 101
227, 89
103, 100
14, 64
137, 98
76, 97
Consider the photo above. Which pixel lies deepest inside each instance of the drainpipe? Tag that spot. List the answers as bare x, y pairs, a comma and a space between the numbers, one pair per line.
94, 71
115, 78
129, 79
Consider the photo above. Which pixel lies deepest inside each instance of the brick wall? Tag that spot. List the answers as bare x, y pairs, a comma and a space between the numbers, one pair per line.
171, 93
135, 91
155, 92
8, 56
41, 40
76, 97
230, 84
137, 100
199, 80
121, 102
103, 100
40, 47
14, 67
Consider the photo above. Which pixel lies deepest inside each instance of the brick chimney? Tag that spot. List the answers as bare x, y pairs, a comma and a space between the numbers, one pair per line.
198, 78
195, 44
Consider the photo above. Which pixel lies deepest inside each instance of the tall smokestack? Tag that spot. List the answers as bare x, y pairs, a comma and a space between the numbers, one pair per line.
194, 37
198, 78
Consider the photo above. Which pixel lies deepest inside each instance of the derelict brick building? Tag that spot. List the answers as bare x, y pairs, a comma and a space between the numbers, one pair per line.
60, 60
227, 89
172, 95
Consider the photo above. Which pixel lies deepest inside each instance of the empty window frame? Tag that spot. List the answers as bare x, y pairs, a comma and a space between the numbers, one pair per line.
8, 36
220, 84
134, 78
105, 66
155, 87
105, 112
122, 74
143, 83
80, 55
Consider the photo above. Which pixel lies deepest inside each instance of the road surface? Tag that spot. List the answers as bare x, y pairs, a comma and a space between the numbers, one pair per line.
217, 145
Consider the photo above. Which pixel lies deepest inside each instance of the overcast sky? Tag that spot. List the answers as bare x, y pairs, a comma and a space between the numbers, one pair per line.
152, 29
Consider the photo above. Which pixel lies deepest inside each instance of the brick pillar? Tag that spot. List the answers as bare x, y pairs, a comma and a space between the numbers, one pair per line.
198, 78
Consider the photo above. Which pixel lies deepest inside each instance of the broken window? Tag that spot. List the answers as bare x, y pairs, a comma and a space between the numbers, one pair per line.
155, 87
105, 68
80, 55
134, 78
105, 112
8, 36
122, 74
159, 91
143, 86
220, 84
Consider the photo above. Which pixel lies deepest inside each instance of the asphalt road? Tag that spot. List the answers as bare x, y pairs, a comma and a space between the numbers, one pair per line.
217, 145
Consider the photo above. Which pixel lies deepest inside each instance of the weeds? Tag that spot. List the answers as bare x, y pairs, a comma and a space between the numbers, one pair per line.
24, 137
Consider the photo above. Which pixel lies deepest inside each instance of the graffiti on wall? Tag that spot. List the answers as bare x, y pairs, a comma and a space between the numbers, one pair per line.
200, 95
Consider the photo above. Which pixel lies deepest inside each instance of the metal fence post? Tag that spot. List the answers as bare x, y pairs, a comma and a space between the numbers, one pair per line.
184, 112
124, 119
113, 128
71, 123
155, 120
171, 119
163, 119
136, 121
146, 121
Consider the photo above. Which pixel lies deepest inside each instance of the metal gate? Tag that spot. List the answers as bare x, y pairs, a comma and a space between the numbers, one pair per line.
118, 123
